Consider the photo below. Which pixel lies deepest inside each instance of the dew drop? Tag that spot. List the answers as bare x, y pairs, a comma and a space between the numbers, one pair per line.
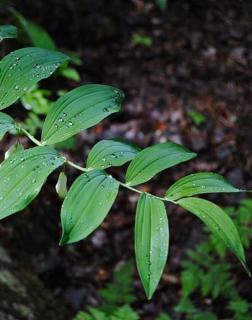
113, 155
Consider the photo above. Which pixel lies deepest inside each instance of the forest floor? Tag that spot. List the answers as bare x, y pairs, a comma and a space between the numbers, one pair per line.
200, 59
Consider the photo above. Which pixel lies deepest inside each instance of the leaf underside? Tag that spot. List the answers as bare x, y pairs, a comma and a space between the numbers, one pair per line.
86, 204
151, 241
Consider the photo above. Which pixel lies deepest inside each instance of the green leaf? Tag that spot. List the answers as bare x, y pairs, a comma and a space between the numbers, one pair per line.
218, 222
199, 183
151, 241
204, 316
196, 117
83, 316
32, 123
69, 144
107, 153
37, 100
86, 204
161, 4
214, 288
190, 279
139, 39
120, 290
154, 159
23, 174
163, 316
124, 313
38, 36
7, 31
6, 124
61, 185
239, 306
80, 109
21, 69
70, 73
185, 305
97, 314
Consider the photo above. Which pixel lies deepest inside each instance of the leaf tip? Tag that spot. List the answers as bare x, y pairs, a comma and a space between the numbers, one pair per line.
64, 239
149, 295
245, 266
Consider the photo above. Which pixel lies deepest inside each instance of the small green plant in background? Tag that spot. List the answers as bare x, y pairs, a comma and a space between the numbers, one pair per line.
138, 39
35, 35
210, 276
93, 193
162, 4
204, 272
117, 297
196, 117
37, 100
120, 291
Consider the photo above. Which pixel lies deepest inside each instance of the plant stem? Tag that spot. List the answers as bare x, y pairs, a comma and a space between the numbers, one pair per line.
33, 139
129, 187
76, 166
82, 169
125, 185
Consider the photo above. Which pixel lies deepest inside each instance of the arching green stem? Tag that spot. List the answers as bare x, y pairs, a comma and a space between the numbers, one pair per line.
82, 169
